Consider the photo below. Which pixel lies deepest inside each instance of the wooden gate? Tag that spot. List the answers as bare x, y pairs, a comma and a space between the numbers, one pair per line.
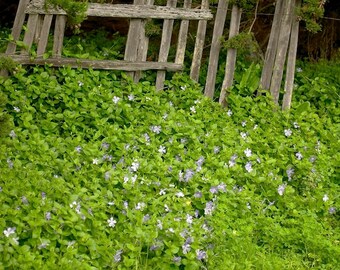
39, 21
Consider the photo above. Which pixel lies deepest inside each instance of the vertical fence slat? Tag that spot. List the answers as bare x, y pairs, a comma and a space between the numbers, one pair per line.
231, 55
39, 28
44, 35
142, 49
165, 46
133, 39
58, 38
182, 36
215, 47
199, 45
30, 33
17, 26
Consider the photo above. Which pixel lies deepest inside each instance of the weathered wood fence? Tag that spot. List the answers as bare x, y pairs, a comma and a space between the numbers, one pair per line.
39, 22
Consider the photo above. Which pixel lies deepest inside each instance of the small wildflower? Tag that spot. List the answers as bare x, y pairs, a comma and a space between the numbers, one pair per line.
244, 123
213, 189
183, 87
107, 175
111, 203
332, 210
180, 194
80, 84
290, 173
299, 156
78, 149
209, 208
288, 132
312, 159
298, 69
15, 240
177, 259
325, 198
162, 149
200, 162
296, 125
12, 134
217, 149
95, 161
281, 189
140, 206
9, 231
48, 216
10, 163
131, 97
159, 224
186, 248
115, 99
197, 101
248, 205
192, 109
247, 152
156, 129
198, 194
248, 167
117, 257
201, 255
166, 208
243, 135
162, 191
188, 175
126, 204
222, 187
146, 218
112, 222
135, 166
229, 113
16, 109
44, 244
189, 219
258, 160
165, 116
105, 145
255, 127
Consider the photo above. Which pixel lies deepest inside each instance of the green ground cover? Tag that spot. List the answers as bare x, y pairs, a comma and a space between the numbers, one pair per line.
97, 172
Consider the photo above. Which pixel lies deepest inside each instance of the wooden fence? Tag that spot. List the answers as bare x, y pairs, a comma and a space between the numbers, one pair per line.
39, 22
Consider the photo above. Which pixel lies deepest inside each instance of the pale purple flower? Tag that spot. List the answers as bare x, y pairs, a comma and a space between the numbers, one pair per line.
217, 149
112, 222
247, 152
198, 194
243, 135
186, 248
44, 244
10, 163
288, 132
156, 129
209, 208
201, 255
146, 218
24, 200
213, 189
126, 204
115, 99
48, 216
332, 210
105, 145
107, 175
188, 175
312, 159
290, 173
78, 149
177, 259
325, 198
200, 162
9, 231
117, 257
281, 189
299, 156
222, 187
189, 219
248, 167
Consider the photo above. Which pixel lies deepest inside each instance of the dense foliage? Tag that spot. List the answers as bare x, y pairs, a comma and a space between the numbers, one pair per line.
101, 173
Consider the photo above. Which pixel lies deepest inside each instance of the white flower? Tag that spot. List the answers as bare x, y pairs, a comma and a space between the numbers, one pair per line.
9, 231
162, 149
16, 109
229, 113
78, 149
95, 161
281, 189
299, 156
16, 240
189, 219
162, 192
248, 167
111, 203
159, 224
325, 198
112, 222
80, 83
244, 123
298, 69
166, 208
134, 166
131, 97
165, 116
192, 109
156, 129
247, 152
180, 194
115, 99
197, 101
296, 125
288, 132
12, 134
140, 206
255, 127
183, 87
243, 135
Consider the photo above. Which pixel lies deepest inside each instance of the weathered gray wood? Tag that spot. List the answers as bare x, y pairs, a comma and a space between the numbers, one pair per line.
291, 61
58, 37
215, 47
165, 46
44, 35
38, 29
142, 50
17, 26
281, 52
267, 69
231, 55
182, 36
132, 11
133, 38
199, 45
97, 64
30, 33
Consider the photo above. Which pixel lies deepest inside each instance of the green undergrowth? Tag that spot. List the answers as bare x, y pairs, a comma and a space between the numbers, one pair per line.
102, 173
